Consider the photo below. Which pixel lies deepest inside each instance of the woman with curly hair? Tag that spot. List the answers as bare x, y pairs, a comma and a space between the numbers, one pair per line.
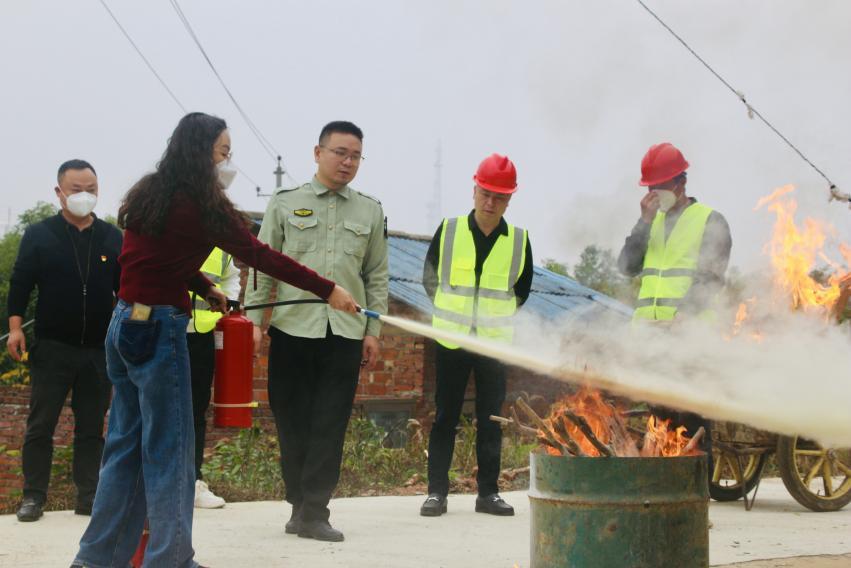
173, 218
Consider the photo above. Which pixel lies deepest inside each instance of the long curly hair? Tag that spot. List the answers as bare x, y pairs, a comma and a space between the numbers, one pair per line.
186, 168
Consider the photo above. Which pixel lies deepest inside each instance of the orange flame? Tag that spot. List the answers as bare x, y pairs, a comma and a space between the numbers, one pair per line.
588, 404
794, 251
607, 425
668, 443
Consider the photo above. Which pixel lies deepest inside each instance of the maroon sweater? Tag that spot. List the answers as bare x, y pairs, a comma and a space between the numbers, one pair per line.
162, 270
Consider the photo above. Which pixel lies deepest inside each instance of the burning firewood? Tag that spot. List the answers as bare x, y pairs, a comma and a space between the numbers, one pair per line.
584, 424
695, 440
521, 428
559, 427
545, 434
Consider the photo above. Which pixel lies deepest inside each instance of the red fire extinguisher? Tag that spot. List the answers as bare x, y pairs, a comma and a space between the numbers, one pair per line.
233, 394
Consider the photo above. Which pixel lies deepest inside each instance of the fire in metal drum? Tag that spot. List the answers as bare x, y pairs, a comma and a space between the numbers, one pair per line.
619, 512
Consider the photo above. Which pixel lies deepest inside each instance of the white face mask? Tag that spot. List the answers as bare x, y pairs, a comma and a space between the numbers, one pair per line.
667, 199
81, 204
226, 173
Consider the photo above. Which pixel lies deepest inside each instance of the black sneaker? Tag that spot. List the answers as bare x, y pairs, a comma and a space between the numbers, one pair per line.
434, 505
293, 526
30, 510
493, 504
319, 530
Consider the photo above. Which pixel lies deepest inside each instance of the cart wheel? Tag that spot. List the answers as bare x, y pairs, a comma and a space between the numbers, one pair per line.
818, 478
723, 482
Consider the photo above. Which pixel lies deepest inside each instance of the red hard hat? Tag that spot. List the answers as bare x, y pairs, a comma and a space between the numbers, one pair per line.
497, 173
661, 163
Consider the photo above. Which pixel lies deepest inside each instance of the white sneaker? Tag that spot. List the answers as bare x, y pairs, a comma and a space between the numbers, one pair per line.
206, 499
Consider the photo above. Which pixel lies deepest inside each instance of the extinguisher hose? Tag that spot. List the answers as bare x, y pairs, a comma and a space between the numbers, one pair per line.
235, 305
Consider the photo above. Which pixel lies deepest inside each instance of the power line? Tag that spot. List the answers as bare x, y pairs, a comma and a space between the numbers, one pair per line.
145, 59
267, 146
835, 194
159, 78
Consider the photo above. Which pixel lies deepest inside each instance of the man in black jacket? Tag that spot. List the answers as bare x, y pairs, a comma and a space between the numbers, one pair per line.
72, 258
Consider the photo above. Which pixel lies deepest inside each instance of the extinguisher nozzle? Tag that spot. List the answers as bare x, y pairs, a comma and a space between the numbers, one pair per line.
369, 313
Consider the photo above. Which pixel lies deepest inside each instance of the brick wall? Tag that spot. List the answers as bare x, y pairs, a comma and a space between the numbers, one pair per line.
14, 407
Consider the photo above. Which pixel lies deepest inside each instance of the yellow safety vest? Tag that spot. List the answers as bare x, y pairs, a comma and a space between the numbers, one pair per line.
203, 319
670, 264
461, 306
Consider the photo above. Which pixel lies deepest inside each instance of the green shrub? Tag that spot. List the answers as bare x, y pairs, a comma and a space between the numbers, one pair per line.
246, 466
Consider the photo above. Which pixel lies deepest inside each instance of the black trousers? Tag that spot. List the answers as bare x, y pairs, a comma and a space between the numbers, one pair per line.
453, 372
312, 385
55, 369
202, 365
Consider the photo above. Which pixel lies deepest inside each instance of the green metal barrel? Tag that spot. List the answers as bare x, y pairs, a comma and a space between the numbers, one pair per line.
619, 512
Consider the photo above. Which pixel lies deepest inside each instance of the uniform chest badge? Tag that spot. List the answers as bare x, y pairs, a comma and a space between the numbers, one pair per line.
303, 212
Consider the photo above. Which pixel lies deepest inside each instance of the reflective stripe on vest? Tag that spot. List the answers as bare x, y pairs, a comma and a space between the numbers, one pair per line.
204, 320
670, 264
459, 305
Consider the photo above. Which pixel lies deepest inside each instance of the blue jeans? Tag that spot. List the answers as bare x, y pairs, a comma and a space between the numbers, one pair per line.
148, 464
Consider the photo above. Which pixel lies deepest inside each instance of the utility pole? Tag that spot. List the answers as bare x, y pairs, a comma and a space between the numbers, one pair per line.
279, 175
279, 180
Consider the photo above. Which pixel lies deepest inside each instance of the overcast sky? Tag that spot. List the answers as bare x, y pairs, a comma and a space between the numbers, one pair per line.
574, 92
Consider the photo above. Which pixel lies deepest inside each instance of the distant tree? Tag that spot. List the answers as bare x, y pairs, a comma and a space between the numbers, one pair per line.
39, 212
111, 219
597, 269
8, 253
555, 266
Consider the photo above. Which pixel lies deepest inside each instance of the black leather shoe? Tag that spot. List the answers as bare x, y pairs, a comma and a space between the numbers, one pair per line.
83, 509
319, 530
493, 504
31, 510
293, 526
434, 506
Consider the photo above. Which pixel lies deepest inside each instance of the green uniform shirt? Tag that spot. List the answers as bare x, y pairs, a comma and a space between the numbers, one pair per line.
340, 235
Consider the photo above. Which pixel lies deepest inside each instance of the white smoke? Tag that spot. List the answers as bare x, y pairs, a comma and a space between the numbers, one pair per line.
787, 374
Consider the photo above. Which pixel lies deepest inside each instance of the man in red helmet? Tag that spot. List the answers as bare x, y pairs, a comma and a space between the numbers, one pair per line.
681, 249
478, 271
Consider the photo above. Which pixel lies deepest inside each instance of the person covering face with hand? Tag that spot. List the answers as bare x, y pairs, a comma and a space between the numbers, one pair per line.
681, 249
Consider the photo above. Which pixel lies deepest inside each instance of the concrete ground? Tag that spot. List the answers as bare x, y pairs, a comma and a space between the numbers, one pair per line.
387, 532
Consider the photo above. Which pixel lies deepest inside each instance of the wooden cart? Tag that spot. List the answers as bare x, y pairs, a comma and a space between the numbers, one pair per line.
818, 478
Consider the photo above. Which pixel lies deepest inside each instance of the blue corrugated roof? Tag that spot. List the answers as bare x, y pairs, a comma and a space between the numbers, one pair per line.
553, 295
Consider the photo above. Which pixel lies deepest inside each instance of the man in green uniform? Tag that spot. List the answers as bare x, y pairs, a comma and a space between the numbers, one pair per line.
316, 353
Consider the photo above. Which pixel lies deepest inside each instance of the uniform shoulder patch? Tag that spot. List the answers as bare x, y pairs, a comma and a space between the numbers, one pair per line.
368, 196
303, 212
286, 189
